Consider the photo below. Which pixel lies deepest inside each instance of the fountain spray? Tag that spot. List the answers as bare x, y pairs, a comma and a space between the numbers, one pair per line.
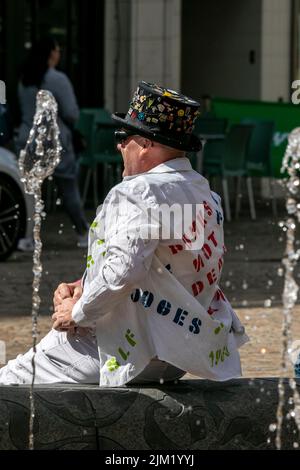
291, 165
38, 161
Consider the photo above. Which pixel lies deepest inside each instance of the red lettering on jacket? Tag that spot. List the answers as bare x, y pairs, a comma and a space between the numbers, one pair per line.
212, 277
212, 238
197, 288
175, 249
219, 295
198, 263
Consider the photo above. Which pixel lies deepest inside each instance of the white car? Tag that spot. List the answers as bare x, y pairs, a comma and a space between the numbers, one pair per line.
16, 207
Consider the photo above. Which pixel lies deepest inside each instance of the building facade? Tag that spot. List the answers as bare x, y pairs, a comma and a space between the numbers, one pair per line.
243, 49
236, 49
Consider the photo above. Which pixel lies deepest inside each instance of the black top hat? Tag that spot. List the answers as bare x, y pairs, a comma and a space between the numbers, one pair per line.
162, 115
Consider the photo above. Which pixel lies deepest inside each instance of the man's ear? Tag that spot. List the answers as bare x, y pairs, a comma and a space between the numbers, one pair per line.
147, 143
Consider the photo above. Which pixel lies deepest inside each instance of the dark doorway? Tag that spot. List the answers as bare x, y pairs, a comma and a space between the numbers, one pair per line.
79, 27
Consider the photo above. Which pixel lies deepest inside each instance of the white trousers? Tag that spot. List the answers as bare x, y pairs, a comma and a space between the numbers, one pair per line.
62, 358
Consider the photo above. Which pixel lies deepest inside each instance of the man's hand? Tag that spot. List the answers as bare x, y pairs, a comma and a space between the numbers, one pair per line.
62, 317
65, 290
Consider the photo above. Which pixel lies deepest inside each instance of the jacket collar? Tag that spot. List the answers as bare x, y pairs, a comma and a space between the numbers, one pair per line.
175, 165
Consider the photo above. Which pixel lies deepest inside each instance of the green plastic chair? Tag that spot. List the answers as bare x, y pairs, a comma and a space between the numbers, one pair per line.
98, 129
106, 154
212, 157
209, 126
259, 159
234, 164
101, 115
211, 131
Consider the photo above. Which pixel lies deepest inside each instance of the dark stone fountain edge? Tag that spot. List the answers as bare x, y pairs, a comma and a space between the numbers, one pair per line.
190, 415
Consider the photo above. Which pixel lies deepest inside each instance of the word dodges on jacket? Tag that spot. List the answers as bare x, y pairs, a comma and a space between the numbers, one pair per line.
164, 307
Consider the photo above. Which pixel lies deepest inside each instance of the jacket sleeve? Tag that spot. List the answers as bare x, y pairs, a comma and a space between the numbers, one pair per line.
129, 245
64, 94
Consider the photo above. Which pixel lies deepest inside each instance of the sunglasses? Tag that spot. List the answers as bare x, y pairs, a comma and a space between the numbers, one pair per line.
121, 136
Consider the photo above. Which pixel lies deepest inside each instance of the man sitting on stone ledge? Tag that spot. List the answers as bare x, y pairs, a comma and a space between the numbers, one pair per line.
149, 307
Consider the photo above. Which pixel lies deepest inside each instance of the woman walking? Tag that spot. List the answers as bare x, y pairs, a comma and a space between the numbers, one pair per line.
39, 72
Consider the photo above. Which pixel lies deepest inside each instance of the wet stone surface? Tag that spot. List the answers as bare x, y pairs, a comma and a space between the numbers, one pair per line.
193, 415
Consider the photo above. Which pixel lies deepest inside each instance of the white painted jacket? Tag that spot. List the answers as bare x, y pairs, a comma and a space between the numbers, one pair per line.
156, 297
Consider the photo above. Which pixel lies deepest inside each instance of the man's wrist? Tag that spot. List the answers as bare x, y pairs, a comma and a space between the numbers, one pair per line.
78, 315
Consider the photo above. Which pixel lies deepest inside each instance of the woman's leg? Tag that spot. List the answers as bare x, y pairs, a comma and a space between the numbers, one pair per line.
69, 192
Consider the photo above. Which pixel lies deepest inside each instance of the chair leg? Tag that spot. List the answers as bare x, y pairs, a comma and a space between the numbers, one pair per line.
238, 197
226, 199
251, 198
86, 185
273, 197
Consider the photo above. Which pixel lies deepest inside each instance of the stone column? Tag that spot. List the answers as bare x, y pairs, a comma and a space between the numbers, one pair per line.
156, 42
117, 60
142, 42
275, 50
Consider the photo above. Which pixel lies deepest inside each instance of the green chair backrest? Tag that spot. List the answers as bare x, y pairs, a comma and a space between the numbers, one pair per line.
259, 149
101, 115
285, 115
236, 146
105, 141
85, 125
213, 151
209, 125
